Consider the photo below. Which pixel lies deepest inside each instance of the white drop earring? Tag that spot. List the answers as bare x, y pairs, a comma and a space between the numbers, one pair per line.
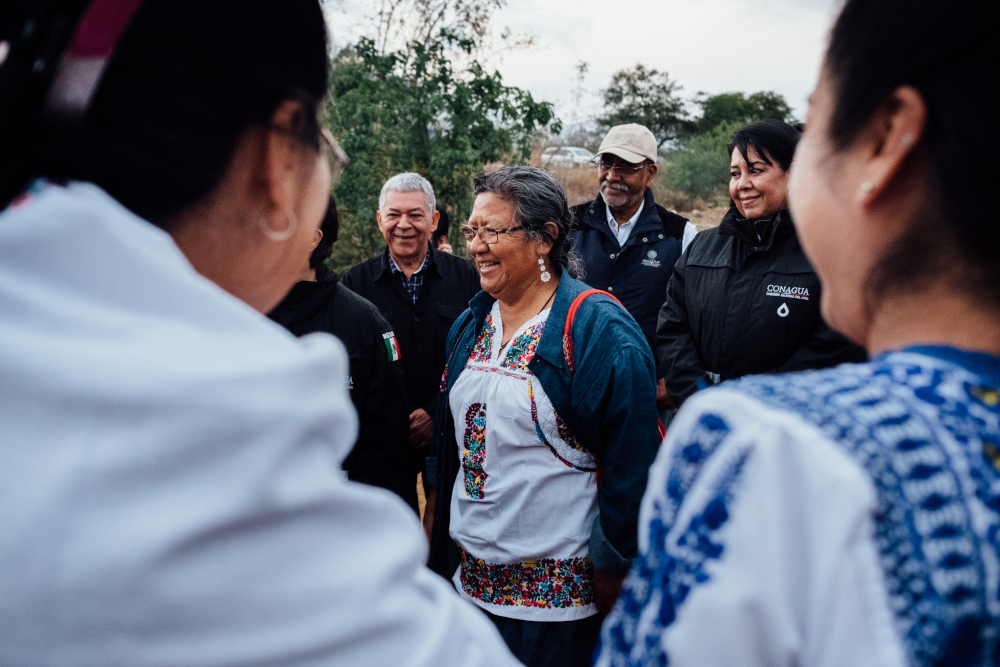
545, 274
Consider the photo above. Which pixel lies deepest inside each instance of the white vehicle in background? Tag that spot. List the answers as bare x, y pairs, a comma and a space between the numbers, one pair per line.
566, 156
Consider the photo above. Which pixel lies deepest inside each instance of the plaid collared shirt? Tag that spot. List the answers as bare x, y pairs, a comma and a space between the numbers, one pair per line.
414, 283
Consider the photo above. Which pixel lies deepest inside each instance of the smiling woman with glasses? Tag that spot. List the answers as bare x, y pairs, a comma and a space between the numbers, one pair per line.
521, 524
485, 234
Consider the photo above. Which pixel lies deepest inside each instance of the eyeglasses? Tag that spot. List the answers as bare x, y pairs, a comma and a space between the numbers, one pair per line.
486, 235
620, 170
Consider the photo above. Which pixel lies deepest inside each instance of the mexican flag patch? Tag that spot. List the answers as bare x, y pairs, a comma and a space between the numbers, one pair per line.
391, 346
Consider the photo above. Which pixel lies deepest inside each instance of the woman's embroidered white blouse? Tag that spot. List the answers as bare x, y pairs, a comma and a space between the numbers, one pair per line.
526, 494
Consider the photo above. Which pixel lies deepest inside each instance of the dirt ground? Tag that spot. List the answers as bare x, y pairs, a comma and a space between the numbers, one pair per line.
706, 219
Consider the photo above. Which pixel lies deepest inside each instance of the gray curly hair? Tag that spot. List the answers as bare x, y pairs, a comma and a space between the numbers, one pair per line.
537, 198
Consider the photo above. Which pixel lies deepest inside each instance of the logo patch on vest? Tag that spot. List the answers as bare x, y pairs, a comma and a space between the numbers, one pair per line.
651, 260
788, 292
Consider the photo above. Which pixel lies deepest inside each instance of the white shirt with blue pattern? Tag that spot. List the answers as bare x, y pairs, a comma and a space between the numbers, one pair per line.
848, 516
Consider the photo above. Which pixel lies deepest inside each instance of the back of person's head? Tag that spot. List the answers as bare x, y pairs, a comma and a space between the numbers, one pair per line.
185, 81
441, 231
945, 51
773, 140
331, 229
409, 182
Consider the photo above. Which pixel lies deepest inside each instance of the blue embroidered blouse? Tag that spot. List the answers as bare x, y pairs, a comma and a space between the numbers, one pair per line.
846, 516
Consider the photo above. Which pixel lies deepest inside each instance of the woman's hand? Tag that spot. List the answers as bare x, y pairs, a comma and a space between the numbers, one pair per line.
607, 586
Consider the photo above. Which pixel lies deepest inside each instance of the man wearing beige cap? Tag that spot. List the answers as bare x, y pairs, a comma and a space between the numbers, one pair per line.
628, 243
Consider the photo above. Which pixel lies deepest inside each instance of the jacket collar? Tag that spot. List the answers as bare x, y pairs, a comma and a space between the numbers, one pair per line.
776, 227
385, 271
325, 275
550, 345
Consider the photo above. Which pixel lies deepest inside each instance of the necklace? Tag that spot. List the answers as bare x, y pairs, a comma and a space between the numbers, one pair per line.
536, 315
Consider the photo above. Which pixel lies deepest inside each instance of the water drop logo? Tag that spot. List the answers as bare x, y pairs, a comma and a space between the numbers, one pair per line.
783, 310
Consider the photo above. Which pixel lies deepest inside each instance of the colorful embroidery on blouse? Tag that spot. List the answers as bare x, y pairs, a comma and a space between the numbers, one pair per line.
474, 452
483, 349
585, 463
566, 435
523, 348
546, 582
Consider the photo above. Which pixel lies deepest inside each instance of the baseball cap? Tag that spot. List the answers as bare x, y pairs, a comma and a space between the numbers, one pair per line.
632, 142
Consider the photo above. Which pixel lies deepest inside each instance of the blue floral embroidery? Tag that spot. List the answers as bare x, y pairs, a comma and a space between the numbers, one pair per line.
886, 415
664, 575
928, 435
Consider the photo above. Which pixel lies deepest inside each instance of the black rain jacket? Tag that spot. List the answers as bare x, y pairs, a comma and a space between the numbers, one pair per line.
375, 381
637, 272
744, 299
449, 284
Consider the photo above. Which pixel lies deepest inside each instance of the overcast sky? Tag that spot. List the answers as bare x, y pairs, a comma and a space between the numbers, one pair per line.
706, 45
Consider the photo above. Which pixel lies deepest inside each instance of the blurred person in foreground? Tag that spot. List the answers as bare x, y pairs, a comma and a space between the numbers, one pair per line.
420, 291
850, 516
541, 457
319, 302
744, 298
628, 242
170, 461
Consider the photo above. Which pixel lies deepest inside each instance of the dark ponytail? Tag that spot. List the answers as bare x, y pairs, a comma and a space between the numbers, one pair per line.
945, 51
187, 78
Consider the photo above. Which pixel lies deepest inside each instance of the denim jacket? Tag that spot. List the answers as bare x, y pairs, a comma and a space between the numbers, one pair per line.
609, 404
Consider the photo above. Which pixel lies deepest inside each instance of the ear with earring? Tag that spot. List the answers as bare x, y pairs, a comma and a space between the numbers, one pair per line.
545, 274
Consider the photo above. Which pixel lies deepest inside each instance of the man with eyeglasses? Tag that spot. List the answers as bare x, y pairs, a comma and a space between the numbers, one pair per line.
628, 242
420, 290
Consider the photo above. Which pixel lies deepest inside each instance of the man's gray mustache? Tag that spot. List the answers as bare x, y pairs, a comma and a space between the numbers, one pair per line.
617, 186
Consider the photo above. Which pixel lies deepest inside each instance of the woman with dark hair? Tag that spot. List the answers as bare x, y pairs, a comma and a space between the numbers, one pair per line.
546, 428
850, 516
743, 299
170, 459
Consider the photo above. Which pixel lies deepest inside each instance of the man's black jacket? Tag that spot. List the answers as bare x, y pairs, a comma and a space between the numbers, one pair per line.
744, 299
449, 284
637, 272
375, 381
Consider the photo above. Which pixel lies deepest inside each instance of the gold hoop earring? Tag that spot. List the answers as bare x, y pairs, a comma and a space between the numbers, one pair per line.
283, 235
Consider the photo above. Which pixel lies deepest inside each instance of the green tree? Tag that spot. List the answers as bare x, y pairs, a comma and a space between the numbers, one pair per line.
409, 110
701, 167
737, 108
648, 97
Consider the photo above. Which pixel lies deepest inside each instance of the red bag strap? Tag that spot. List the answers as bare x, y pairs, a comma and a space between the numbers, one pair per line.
568, 340
570, 316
